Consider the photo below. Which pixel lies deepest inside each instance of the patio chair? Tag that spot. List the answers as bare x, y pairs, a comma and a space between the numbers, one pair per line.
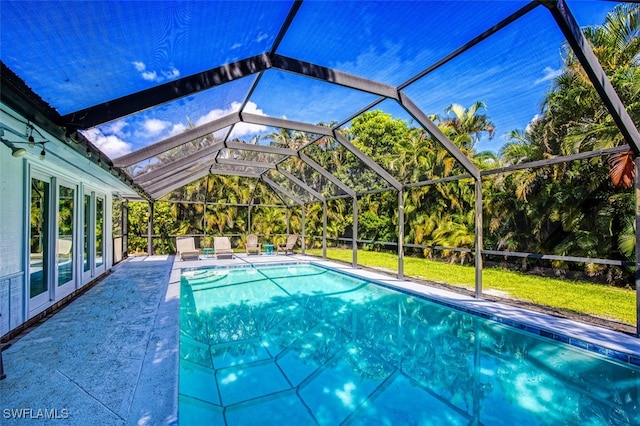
186, 248
222, 248
290, 244
252, 245
64, 250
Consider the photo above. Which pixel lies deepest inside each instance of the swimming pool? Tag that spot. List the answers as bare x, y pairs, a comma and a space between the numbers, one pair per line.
301, 344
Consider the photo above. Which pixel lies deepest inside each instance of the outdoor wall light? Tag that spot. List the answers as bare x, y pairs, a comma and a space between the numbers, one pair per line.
19, 152
16, 152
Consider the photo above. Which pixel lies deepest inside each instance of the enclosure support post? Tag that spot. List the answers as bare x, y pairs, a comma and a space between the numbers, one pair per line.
204, 224
124, 217
637, 274
288, 220
204, 214
324, 229
302, 243
150, 230
478, 237
355, 232
400, 234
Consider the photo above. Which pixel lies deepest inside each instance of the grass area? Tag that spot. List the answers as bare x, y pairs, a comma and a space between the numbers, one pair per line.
582, 297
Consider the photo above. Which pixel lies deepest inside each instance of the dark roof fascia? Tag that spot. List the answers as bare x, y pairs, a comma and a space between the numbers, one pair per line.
15, 93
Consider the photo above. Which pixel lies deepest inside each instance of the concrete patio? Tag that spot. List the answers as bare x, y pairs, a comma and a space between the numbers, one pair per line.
108, 358
111, 356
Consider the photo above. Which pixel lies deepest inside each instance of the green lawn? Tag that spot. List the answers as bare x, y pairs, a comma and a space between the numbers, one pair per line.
574, 296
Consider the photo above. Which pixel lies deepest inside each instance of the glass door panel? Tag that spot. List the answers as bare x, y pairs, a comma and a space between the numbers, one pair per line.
66, 200
86, 261
99, 231
39, 239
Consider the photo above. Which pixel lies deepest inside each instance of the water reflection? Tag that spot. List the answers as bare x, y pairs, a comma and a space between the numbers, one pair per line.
358, 353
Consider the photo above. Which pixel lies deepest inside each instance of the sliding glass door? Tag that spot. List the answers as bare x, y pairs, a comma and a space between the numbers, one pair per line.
52, 239
93, 220
99, 234
67, 244
39, 242
65, 239
87, 234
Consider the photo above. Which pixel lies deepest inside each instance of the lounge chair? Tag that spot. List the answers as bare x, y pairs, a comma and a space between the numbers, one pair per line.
186, 248
222, 248
290, 244
252, 245
64, 250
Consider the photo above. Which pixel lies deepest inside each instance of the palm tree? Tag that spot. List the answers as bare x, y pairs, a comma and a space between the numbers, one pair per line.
467, 125
616, 44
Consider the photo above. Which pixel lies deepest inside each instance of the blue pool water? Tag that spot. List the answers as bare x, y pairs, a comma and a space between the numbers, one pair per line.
305, 345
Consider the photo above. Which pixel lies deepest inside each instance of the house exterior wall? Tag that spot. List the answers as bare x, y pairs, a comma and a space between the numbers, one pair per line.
62, 165
12, 280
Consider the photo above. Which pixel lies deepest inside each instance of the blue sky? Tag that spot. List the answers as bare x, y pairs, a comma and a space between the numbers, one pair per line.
77, 54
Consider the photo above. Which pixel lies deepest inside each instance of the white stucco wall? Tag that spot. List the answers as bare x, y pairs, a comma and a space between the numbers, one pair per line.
11, 212
11, 241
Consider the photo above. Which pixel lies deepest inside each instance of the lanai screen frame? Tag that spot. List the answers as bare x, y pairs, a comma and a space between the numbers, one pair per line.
117, 108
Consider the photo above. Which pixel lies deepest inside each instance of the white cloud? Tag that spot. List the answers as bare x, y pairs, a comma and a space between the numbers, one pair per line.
177, 129
549, 74
171, 74
261, 36
152, 75
240, 129
111, 145
532, 122
153, 126
115, 128
112, 138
